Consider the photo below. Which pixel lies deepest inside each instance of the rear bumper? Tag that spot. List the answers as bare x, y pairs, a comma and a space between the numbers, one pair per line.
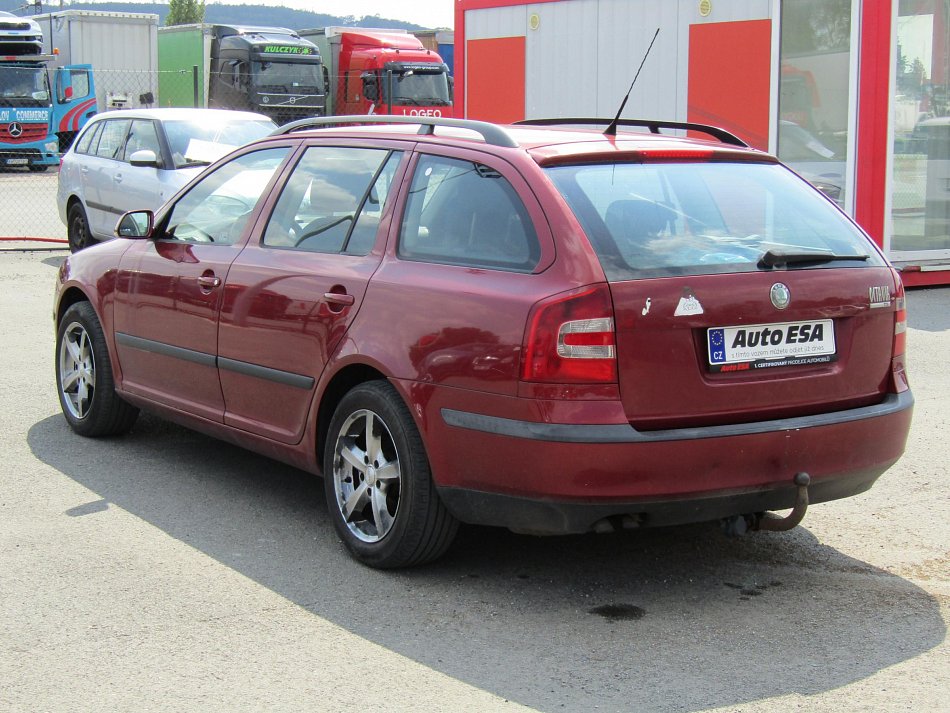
556, 517
561, 478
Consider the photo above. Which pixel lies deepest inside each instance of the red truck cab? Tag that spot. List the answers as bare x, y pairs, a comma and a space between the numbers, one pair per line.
382, 72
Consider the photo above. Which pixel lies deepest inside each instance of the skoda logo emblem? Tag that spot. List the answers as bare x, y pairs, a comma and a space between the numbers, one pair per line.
15, 130
780, 295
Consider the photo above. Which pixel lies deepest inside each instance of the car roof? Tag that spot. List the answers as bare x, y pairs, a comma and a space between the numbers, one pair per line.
183, 114
548, 143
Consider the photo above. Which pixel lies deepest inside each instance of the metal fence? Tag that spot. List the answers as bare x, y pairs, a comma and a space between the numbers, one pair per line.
28, 196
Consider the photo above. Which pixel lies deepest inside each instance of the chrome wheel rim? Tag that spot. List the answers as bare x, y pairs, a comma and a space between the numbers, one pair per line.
77, 370
366, 476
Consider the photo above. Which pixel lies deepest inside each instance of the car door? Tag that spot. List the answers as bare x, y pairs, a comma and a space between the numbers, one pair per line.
140, 187
292, 293
170, 289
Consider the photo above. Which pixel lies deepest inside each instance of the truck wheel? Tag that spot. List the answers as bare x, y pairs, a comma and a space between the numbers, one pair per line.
38, 169
77, 228
84, 378
379, 490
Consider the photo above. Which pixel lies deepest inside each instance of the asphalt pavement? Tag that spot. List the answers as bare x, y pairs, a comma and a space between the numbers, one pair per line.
165, 571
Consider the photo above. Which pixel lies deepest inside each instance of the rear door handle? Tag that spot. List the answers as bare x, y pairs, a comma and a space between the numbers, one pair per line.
209, 282
339, 299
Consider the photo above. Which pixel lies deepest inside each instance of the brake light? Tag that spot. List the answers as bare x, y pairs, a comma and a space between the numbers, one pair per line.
677, 154
898, 368
570, 339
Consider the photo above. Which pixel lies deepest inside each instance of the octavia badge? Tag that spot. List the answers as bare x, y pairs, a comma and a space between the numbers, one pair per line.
780, 295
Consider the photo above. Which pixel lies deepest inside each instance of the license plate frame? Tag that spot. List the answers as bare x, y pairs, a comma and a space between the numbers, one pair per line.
777, 344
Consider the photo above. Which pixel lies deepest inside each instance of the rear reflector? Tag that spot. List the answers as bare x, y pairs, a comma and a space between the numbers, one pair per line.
570, 339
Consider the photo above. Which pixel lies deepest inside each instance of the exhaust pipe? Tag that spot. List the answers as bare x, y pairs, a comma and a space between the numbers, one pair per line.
740, 524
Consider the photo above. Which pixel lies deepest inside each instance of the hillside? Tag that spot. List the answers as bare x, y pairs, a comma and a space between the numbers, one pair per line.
236, 14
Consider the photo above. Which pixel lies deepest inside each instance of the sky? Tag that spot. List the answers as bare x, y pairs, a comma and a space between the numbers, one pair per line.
429, 13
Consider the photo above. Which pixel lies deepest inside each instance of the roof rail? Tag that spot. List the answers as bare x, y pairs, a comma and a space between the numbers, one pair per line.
491, 133
653, 125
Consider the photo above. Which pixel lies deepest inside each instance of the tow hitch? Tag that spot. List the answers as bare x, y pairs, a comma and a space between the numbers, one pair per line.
740, 524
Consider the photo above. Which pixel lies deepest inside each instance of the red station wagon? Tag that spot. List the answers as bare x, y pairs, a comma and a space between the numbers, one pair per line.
550, 328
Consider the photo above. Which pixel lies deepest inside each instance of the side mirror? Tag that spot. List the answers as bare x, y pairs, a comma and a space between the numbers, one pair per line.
135, 224
144, 157
370, 90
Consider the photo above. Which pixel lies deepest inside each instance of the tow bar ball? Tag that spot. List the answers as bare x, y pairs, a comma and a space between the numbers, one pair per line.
740, 524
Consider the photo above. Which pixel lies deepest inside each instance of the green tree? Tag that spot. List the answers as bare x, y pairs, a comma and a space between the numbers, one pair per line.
185, 12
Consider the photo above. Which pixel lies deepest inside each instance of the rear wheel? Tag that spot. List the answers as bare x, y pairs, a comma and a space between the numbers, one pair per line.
378, 485
84, 377
77, 228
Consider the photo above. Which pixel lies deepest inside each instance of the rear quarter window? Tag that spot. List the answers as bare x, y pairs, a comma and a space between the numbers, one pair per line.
656, 219
466, 213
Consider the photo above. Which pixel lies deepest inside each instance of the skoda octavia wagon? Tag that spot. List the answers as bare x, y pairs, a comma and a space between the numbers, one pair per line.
549, 328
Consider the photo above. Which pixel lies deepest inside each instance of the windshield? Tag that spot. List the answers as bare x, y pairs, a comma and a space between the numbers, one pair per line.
201, 142
288, 77
24, 86
659, 219
418, 88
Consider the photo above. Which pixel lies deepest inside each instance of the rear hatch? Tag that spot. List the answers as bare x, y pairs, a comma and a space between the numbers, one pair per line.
740, 293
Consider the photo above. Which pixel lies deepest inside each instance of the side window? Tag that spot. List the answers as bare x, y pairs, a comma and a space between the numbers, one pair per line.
332, 201
112, 138
363, 236
79, 80
89, 139
217, 208
465, 213
142, 136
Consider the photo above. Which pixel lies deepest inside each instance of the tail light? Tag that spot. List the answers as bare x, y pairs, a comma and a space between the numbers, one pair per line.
570, 339
898, 368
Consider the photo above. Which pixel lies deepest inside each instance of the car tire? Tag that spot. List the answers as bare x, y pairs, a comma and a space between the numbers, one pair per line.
378, 484
84, 379
77, 228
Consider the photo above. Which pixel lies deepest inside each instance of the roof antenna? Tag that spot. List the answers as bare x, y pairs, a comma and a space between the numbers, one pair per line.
611, 130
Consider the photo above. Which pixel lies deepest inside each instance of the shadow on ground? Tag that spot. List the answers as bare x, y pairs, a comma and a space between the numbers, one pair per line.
679, 619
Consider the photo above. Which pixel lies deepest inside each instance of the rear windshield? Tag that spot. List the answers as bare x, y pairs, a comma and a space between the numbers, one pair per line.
662, 219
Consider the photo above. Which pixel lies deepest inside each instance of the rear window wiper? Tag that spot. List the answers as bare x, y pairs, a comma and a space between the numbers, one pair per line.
771, 258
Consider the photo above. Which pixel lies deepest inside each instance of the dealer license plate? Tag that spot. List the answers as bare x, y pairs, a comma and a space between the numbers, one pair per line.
762, 346
17, 161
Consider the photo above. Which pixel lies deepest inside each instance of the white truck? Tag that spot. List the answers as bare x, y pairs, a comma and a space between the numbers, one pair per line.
122, 48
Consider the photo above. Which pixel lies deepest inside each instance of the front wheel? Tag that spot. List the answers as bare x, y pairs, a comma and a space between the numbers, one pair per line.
84, 377
378, 484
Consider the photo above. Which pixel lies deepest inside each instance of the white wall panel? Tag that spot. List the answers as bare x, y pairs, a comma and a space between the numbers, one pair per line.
625, 29
560, 60
496, 22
